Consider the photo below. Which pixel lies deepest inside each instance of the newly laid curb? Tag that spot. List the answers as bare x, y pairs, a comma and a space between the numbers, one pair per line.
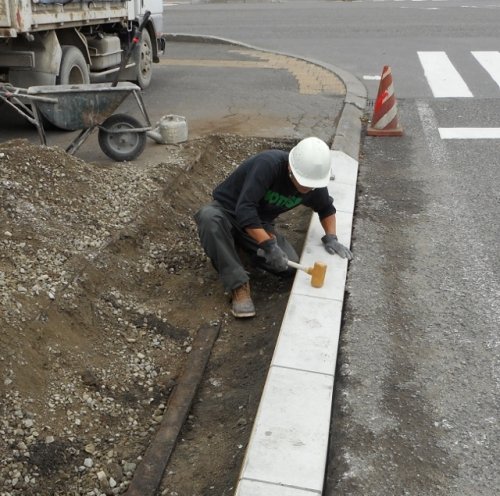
287, 451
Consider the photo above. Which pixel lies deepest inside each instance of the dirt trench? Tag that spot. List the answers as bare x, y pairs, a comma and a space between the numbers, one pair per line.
103, 286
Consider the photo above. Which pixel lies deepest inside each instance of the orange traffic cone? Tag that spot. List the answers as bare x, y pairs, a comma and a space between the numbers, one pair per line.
385, 120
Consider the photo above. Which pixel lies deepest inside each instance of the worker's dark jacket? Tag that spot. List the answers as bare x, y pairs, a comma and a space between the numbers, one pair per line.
260, 189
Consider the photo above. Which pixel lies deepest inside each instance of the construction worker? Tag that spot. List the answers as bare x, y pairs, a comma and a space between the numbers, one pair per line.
246, 204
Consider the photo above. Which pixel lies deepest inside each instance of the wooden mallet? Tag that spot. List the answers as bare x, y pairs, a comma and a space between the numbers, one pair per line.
317, 272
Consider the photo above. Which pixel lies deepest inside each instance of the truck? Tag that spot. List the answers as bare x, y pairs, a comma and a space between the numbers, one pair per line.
58, 42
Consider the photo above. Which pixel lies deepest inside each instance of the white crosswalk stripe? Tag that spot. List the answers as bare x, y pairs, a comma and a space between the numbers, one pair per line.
470, 4
491, 63
446, 82
443, 78
469, 132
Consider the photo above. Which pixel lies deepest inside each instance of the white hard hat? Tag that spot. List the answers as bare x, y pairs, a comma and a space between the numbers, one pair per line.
310, 163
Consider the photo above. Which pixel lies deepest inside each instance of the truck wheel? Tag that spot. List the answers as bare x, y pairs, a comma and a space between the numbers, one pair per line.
143, 57
124, 145
74, 68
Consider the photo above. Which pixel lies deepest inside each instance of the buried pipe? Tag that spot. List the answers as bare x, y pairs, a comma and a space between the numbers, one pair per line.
149, 473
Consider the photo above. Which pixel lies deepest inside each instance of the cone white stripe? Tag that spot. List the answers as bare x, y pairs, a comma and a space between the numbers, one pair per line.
386, 119
389, 93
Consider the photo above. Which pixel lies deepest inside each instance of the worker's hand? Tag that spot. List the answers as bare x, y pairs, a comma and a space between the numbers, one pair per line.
274, 255
333, 246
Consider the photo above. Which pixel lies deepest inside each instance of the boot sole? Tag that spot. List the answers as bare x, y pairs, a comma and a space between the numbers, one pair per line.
242, 315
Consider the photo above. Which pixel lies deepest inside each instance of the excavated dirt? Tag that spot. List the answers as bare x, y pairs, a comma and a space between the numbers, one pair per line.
103, 286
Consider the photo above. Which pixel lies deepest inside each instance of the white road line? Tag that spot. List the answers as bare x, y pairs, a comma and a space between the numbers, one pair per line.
491, 63
469, 132
443, 78
437, 147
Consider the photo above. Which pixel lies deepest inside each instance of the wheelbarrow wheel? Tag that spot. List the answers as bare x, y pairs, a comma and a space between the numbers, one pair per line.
123, 143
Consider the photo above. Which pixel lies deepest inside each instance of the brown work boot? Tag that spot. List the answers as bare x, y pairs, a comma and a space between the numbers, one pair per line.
242, 304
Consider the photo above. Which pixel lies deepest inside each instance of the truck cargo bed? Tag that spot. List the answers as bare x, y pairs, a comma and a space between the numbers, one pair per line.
26, 17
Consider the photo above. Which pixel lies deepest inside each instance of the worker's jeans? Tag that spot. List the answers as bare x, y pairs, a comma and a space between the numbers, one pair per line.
221, 237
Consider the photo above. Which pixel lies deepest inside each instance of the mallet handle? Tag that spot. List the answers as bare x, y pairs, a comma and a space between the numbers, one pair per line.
295, 265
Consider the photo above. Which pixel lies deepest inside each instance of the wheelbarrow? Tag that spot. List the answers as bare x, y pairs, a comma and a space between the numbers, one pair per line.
90, 106
87, 107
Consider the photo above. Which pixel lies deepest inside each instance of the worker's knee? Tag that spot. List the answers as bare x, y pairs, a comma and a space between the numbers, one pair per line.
212, 222
206, 214
209, 217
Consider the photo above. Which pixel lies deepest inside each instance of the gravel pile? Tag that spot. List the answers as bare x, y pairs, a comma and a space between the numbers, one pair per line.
57, 208
83, 376
103, 286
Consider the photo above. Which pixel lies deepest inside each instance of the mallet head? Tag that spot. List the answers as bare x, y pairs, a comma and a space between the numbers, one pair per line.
318, 273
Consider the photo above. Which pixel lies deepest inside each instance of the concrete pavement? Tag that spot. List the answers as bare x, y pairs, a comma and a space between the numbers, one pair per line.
221, 88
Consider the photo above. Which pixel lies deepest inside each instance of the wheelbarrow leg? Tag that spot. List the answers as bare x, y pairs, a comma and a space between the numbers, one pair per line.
79, 140
30, 114
142, 107
37, 121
